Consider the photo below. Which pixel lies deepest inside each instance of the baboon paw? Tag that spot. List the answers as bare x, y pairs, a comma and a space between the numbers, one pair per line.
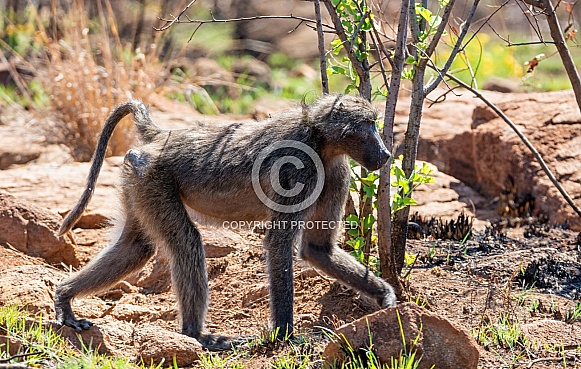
78, 325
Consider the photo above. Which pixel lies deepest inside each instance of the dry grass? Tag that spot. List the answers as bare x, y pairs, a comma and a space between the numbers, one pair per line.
87, 71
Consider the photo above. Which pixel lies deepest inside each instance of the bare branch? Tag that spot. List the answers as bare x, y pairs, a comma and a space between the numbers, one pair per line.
176, 20
455, 50
321, 44
171, 22
487, 22
509, 44
414, 25
523, 138
535, 27
296, 27
381, 46
441, 28
358, 29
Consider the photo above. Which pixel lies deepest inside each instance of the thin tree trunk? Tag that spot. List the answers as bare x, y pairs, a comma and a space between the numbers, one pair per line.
321, 45
384, 226
557, 36
400, 222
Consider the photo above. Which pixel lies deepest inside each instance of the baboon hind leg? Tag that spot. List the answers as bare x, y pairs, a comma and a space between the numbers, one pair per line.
172, 227
129, 253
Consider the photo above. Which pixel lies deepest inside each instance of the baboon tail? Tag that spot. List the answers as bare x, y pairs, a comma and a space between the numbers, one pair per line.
147, 131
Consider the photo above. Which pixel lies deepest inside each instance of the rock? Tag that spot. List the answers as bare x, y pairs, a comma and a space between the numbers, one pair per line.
18, 154
270, 35
448, 197
156, 345
10, 345
219, 242
133, 313
439, 343
111, 338
481, 150
31, 286
254, 294
23, 140
57, 187
552, 333
503, 165
31, 229
156, 277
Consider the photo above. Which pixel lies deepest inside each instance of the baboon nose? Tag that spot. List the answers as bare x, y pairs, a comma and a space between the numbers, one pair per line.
384, 156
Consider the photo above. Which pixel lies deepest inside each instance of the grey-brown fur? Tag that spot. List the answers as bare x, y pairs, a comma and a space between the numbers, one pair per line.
209, 172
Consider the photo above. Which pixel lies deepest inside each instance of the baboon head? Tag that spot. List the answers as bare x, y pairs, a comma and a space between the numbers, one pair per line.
351, 129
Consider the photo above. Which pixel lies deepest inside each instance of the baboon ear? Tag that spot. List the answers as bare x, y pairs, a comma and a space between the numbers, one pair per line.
341, 105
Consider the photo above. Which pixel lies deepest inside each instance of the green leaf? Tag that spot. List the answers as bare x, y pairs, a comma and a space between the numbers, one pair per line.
352, 218
350, 88
353, 233
424, 13
410, 60
407, 201
381, 92
335, 69
426, 169
336, 46
397, 172
369, 191
371, 178
368, 222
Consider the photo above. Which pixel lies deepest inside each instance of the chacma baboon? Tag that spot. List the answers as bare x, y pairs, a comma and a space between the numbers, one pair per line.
247, 171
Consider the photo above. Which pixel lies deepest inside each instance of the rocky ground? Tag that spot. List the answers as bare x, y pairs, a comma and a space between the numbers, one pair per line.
522, 264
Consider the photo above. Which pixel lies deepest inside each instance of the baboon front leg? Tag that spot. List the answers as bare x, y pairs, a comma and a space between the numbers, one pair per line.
319, 249
278, 244
129, 253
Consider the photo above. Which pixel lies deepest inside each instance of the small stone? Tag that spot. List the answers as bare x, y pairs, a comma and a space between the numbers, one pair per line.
439, 343
156, 345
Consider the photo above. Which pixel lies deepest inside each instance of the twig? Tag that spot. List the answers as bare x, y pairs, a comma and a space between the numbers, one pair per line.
523, 139
536, 27
321, 44
358, 29
381, 46
176, 20
509, 44
442, 27
19, 356
455, 50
